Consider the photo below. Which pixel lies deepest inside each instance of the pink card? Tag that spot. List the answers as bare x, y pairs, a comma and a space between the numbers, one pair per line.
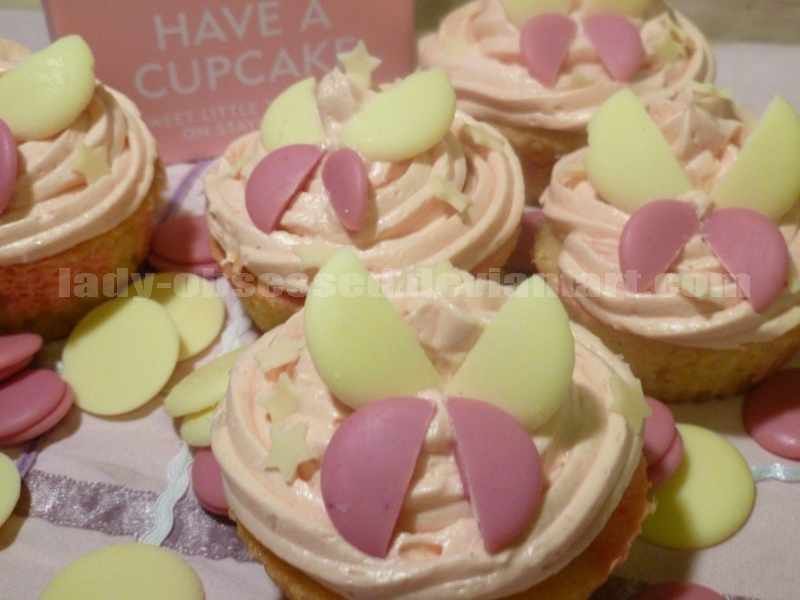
203, 72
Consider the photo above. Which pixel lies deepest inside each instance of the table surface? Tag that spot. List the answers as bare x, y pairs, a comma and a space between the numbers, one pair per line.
94, 481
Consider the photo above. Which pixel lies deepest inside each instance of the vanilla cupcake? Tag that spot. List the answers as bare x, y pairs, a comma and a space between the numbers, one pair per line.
674, 237
538, 70
461, 440
398, 174
83, 182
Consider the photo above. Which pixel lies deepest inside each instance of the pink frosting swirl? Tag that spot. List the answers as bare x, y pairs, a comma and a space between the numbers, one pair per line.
479, 49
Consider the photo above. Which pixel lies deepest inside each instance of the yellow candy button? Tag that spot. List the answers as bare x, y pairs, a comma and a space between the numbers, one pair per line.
120, 355
196, 428
126, 572
191, 301
707, 499
10, 486
202, 388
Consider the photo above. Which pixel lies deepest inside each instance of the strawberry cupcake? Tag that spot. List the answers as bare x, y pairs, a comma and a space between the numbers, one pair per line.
79, 183
466, 461
538, 69
674, 237
398, 174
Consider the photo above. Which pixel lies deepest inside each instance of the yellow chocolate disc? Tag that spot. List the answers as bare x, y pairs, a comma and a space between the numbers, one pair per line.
191, 301
202, 388
10, 486
707, 499
120, 355
196, 428
126, 572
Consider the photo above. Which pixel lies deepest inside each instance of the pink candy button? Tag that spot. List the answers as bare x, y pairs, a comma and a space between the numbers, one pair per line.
8, 165
181, 244
662, 447
207, 482
771, 414
16, 351
45, 425
678, 590
27, 398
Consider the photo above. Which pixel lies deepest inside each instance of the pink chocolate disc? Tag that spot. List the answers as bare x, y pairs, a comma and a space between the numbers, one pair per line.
46, 424
752, 249
617, 42
27, 398
182, 239
544, 42
345, 178
771, 413
678, 590
275, 180
207, 482
8, 165
16, 351
652, 238
660, 471
659, 431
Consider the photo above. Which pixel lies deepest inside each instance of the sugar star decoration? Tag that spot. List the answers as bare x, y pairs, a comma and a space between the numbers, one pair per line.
359, 63
92, 163
278, 354
445, 190
314, 254
283, 400
288, 449
628, 401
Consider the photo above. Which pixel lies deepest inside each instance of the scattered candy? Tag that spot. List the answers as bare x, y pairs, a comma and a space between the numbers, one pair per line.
45, 93
275, 181
678, 590
182, 244
500, 467
195, 429
404, 121
358, 63
527, 380
10, 487
126, 572
8, 165
192, 303
520, 11
707, 499
203, 388
652, 238
345, 179
617, 42
16, 352
367, 468
120, 355
544, 43
771, 413
359, 343
207, 482
752, 249
629, 8
27, 398
52, 419
764, 177
288, 449
628, 161
293, 118
92, 163
659, 431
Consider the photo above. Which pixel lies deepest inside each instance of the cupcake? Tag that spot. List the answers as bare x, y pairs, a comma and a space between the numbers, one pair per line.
461, 440
81, 179
538, 70
674, 237
398, 174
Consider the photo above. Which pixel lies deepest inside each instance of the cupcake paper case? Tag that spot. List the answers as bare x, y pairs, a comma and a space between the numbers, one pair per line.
721, 310
278, 438
434, 185
502, 75
85, 190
